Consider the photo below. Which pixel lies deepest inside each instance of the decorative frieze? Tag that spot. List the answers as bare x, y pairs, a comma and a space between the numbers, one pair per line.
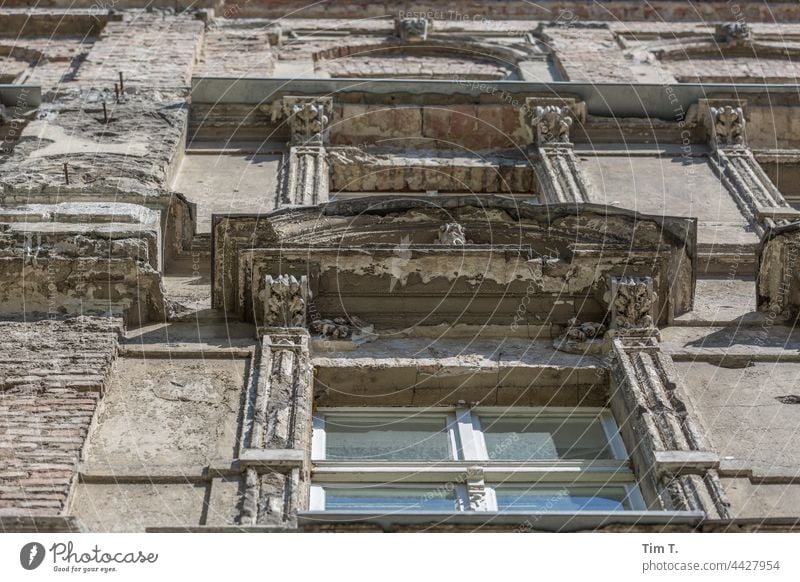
285, 301
451, 234
412, 29
632, 302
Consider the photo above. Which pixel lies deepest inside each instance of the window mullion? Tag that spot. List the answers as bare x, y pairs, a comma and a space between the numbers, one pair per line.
318, 438
467, 436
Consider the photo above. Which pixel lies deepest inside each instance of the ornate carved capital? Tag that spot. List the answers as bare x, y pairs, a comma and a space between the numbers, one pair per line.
726, 126
452, 234
632, 301
285, 301
412, 28
551, 124
734, 33
308, 118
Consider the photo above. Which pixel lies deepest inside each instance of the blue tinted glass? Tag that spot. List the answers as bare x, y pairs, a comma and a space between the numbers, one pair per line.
520, 438
390, 499
561, 499
386, 438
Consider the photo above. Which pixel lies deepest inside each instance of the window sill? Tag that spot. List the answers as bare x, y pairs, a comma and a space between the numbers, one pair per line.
513, 520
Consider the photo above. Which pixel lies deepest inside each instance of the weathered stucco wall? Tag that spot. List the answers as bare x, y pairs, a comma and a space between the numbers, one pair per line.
168, 413
107, 198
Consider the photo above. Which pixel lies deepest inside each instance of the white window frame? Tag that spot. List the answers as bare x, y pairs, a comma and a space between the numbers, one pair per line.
468, 450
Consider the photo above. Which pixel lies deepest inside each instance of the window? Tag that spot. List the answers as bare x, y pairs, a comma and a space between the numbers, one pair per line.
444, 460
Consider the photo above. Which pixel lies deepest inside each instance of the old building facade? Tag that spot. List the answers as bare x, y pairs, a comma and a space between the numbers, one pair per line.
365, 266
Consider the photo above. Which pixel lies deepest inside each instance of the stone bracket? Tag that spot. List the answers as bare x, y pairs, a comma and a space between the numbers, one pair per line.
560, 177
304, 178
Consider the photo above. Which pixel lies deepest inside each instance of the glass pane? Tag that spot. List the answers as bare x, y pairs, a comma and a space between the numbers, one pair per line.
391, 499
387, 438
556, 498
528, 438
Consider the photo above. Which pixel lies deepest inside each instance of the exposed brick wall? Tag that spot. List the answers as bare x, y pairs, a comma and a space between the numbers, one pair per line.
51, 376
148, 49
735, 70
655, 10
588, 54
236, 53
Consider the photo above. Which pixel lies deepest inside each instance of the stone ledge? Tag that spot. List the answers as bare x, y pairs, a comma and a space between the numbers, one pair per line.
685, 461
267, 458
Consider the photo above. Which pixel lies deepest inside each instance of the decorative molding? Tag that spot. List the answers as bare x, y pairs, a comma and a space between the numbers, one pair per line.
285, 301
647, 392
305, 178
276, 430
734, 163
412, 29
451, 234
632, 301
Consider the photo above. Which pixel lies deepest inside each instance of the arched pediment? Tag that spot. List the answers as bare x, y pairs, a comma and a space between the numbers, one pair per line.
486, 219
392, 260
393, 57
